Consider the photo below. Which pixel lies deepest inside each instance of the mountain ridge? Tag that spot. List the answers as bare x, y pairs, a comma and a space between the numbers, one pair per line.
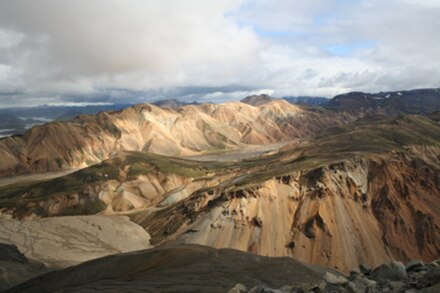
191, 129
418, 101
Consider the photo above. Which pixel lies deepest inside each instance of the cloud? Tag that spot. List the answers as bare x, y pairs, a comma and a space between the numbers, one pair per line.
86, 46
134, 50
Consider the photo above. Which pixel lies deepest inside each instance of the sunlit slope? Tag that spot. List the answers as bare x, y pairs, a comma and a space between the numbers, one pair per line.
191, 129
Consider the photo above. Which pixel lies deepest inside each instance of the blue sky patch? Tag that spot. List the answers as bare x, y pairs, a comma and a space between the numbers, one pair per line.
348, 49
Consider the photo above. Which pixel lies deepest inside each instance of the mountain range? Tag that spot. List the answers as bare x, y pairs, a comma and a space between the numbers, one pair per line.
331, 188
420, 101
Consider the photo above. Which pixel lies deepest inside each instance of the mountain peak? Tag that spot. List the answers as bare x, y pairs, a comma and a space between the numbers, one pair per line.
257, 100
172, 103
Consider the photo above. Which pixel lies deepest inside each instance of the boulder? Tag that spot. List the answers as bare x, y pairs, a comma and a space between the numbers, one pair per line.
415, 265
238, 288
334, 280
393, 271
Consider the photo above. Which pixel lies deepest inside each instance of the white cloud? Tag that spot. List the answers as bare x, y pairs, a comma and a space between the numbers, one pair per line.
54, 50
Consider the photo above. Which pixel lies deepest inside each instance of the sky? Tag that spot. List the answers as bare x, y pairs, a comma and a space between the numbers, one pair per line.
132, 51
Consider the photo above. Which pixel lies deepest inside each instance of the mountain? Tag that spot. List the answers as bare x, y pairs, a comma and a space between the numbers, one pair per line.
365, 192
421, 101
192, 129
305, 100
211, 189
20, 119
172, 103
258, 100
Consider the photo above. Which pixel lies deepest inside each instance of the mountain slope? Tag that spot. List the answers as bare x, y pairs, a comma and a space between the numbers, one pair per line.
192, 129
421, 101
189, 268
361, 203
360, 193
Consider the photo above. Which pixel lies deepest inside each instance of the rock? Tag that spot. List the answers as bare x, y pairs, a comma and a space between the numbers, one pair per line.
415, 265
356, 287
436, 263
263, 289
361, 281
365, 269
290, 245
286, 289
354, 273
304, 287
334, 280
432, 289
307, 287
257, 221
238, 288
396, 286
432, 277
393, 271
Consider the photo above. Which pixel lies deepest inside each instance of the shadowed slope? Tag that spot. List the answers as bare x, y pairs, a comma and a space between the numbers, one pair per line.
188, 268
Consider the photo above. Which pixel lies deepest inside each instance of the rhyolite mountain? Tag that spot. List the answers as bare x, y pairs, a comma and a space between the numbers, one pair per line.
365, 192
330, 189
420, 101
89, 139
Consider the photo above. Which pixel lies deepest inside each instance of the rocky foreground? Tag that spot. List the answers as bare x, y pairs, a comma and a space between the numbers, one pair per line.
195, 268
415, 276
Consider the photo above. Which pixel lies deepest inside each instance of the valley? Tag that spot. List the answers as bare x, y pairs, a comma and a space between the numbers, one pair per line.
333, 189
